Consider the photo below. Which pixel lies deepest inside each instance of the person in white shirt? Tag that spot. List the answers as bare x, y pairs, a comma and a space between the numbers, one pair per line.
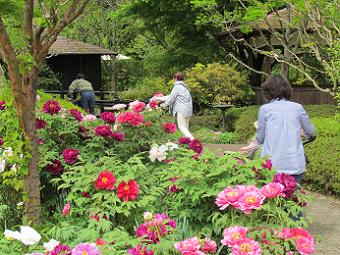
180, 104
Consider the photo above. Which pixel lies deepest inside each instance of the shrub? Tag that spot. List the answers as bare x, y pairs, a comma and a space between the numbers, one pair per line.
217, 83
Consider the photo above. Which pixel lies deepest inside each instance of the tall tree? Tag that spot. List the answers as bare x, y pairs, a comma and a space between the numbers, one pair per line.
40, 23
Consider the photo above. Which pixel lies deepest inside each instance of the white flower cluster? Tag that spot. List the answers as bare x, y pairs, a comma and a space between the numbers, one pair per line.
160, 152
27, 235
89, 117
119, 107
5, 157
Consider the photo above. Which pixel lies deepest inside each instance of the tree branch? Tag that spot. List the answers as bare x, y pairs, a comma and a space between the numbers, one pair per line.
28, 21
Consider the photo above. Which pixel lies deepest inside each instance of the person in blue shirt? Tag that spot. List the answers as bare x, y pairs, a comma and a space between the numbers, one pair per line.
280, 123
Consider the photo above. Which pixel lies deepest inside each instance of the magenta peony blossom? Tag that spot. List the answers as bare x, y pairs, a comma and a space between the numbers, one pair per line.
170, 127
39, 123
104, 131
234, 235
56, 168
51, 107
118, 136
137, 106
209, 246
70, 156
268, 165
61, 250
1, 141
153, 104
66, 209
140, 250
196, 146
288, 183
247, 247
108, 117
305, 246
2, 105
184, 140
227, 197
76, 114
85, 249
272, 190
134, 119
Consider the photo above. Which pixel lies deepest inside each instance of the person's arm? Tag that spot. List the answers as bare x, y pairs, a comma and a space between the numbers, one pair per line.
307, 126
172, 97
163, 98
72, 88
260, 132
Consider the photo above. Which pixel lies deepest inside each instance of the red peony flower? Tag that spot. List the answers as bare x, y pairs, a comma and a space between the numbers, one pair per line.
40, 141
56, 168
137, 106
76, 114
39, 123
134, 119
104, 131
70, 156
153, 104
2, 105
118, 136
105, 180
147, 123
108, 117
1, 141
268, 165
170, 127
82, 129
100, 241
128, 191
51, 107
85, 194
196, 146
184, 140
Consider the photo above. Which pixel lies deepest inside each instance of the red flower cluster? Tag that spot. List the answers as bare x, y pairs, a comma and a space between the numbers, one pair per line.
70, 156
140, 250
76, 114
170, 127
105, 180
128, 190
56, 168
108, 117
196, 146
2, 105
39, 123
288, 183
184, 140
51, 107
118, 136
134, 119
153, 104
104, 131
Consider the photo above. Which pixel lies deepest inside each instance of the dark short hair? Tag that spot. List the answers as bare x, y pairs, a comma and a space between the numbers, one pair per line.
80, 76
179, 76
277, 87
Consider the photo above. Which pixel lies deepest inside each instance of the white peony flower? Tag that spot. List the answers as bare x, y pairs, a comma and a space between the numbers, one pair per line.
20, 203
89, 117
29, 236
172, 146
11, 235
118, 107
8, 152
15, 168
2, 165
51, 245
158, 153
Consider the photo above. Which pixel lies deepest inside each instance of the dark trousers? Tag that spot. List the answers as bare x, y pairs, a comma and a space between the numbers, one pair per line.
87, 101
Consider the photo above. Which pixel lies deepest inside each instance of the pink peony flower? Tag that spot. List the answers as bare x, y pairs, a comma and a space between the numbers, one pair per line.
61, 250
104, 131
76, 114
134, 119
272, 190
56, 168
140, 250
66, 209
196, 146
128, 191
249, 201
189, 246
2, 105
137, 106
108, 117
184, 140
288, 183
227, 197
118, 136
89, 117
247, 247
85, 249
268, 165
51, 107
209, 246
170, 127
70, 156
305, 246
234, 235
105, 180
39, 123
153, 104
37, 97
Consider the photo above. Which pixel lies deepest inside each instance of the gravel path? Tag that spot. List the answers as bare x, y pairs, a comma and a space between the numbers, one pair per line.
323, 211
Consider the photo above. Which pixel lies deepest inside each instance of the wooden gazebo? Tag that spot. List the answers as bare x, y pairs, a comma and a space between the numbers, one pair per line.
69, 57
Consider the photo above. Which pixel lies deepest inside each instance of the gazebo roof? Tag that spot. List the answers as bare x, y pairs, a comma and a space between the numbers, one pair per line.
64, 46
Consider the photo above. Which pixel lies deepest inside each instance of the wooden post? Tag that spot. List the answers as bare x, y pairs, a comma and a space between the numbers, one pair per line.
113, 73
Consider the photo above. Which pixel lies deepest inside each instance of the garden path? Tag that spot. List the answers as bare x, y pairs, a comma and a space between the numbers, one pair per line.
323, 211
